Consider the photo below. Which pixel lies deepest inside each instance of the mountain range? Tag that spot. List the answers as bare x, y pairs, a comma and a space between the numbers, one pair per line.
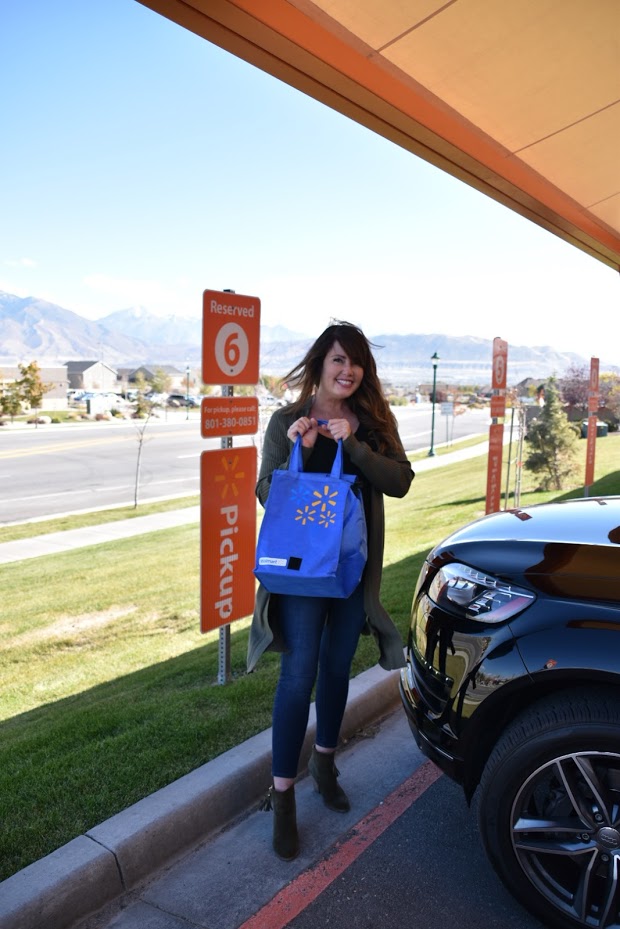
33, 329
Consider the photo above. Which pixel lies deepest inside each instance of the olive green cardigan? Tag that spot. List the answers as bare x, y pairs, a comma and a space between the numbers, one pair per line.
385, 475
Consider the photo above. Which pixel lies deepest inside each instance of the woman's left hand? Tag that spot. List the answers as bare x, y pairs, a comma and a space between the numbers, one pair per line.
339, 428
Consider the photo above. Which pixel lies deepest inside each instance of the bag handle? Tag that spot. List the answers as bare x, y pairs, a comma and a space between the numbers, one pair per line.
296, 460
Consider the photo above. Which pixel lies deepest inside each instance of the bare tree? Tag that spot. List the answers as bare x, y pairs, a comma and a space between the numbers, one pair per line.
140, 430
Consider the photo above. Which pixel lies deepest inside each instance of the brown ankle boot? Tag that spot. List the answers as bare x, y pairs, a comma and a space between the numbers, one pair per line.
325, 773
285, 837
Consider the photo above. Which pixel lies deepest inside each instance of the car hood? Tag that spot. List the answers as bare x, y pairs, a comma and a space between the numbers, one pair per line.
568, 549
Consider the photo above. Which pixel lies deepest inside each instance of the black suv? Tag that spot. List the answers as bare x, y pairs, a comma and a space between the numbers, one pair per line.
512, 687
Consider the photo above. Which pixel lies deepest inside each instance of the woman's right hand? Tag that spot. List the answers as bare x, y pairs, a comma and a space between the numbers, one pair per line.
307, 428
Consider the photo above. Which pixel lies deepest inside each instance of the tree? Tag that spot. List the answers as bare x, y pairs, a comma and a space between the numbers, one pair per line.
575, 388
609, 385
245, 390
553, 442
612, 400
10, 401
273, 384
140, 431
143, 407
161, 382
31, 387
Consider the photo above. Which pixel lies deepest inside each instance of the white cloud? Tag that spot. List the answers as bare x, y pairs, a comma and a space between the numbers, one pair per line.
20, 263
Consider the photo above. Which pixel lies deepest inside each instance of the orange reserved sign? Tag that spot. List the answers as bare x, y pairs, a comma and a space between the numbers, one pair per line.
230, 338
593, 391
222, 416
498, 380
227, 535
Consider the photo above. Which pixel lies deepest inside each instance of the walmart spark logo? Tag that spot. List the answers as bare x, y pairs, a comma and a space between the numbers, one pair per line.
300, 494
304, 515
322, 509
229, 478
327, 518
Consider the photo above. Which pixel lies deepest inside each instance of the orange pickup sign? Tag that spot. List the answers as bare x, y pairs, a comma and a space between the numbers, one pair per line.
227, 535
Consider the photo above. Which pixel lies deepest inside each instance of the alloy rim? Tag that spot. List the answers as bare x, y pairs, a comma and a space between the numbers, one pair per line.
566, 836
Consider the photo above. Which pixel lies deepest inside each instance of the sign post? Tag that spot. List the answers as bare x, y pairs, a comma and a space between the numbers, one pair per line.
496, 429
230, 355
593, 404
447, 410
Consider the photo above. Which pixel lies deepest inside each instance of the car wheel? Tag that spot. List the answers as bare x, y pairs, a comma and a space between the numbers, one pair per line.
548, 809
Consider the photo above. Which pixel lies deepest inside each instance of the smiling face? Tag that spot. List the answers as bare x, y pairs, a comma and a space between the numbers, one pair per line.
340, 378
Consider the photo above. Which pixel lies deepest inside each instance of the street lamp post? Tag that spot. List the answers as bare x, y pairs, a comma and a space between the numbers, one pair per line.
434, 359
187, 391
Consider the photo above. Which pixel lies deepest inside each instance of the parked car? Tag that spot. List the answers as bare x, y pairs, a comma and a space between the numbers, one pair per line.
512, 687
99, 401
155, 398
268, 400
183, 400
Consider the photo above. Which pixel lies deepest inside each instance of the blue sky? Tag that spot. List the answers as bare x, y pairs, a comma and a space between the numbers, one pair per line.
140, 165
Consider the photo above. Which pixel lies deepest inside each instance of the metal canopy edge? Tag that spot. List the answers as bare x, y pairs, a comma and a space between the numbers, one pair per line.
551, 169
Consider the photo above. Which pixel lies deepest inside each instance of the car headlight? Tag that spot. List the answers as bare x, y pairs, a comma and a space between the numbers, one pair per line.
461, 589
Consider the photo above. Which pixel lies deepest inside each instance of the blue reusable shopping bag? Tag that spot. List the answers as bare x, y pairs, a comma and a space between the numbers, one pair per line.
312, 541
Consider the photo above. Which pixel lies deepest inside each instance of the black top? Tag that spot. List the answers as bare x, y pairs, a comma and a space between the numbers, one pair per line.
324, 451
322, 459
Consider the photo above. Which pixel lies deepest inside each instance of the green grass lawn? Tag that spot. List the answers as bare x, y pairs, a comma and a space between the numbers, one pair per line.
108, 689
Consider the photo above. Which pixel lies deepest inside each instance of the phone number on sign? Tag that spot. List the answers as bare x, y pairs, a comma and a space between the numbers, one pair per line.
230, 422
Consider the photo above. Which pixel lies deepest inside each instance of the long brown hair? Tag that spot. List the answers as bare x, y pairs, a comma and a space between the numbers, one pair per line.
368, 402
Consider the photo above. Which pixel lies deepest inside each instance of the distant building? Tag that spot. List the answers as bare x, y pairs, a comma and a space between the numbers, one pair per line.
178, 379
52, 376
91, 375
123, 380
441, 391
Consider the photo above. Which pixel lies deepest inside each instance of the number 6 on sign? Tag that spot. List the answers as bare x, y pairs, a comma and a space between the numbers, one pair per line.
230, 338
231, 349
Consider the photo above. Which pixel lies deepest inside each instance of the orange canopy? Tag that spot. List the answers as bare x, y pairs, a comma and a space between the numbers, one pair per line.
518, 98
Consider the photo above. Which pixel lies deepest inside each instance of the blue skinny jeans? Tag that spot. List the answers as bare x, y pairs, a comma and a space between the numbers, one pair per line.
321, 636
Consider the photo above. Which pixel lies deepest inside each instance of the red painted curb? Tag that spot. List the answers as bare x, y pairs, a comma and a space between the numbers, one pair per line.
302, 891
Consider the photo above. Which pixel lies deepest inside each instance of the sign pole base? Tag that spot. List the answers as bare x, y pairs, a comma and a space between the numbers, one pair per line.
223, 671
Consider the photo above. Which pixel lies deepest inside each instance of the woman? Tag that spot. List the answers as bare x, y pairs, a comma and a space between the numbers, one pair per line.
340, 397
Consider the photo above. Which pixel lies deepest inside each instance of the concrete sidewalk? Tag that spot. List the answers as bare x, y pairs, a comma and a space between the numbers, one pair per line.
94, 872
55, 542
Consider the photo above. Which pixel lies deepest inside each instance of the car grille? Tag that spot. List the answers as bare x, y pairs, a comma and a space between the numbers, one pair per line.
428, 660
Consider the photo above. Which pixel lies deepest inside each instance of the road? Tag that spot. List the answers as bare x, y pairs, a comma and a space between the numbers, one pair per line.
54, 469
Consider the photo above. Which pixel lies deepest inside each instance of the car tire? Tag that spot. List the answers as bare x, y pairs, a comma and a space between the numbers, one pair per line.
548, 808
